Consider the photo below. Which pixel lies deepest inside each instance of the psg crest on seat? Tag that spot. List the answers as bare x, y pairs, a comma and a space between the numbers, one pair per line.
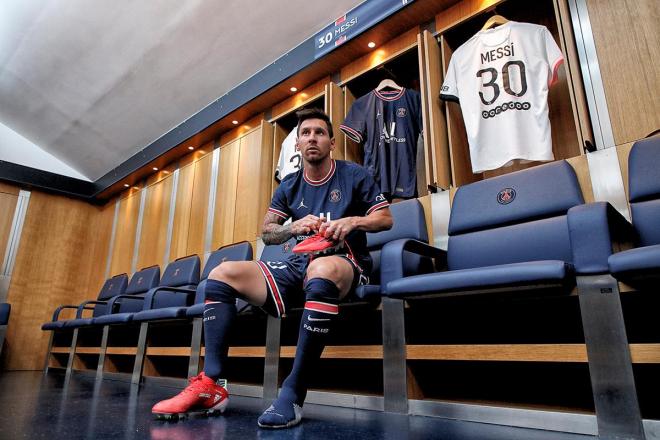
506, 196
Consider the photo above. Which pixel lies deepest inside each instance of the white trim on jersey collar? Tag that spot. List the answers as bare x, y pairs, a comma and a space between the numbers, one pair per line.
323, 180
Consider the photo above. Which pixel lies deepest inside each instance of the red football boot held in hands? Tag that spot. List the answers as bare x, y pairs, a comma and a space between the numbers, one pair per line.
317, 244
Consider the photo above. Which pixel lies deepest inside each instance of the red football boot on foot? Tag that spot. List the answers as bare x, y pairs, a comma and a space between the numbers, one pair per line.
317, 244
202, 396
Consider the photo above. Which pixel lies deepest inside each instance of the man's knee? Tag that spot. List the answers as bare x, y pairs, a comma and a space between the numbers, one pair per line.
226, 272
328, 270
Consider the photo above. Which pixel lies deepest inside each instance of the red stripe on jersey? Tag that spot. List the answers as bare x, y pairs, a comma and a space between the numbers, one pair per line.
284, 215
555, 68
274, 290
322, 180
331, 309
378, 206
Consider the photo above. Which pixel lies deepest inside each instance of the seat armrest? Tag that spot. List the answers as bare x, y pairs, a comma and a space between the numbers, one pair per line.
56, 313
114, 301
596, 231
151, 295
85, 306
393, 253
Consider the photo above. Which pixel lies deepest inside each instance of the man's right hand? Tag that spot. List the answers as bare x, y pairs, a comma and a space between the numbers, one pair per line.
309, 223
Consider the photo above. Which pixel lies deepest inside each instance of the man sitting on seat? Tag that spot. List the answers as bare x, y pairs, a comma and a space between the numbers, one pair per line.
338, 200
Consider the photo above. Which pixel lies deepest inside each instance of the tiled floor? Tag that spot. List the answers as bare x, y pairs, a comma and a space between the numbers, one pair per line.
34, 406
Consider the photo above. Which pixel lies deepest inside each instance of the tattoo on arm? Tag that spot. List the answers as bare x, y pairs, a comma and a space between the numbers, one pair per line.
273, 232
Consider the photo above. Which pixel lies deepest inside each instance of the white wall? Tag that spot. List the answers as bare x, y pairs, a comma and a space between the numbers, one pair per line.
15, 148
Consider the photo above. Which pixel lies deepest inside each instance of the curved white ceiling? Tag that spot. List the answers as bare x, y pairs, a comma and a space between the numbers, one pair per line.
93, 82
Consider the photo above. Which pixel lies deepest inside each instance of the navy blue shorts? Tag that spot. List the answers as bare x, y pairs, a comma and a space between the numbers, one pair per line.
285, 279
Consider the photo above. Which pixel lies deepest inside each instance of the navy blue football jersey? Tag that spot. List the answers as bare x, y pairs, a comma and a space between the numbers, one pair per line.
388, 124
346, 191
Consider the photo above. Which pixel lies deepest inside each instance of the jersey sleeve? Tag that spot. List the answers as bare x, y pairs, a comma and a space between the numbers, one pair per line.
449, 91
553, 55
370, 196
355, 124
279, 205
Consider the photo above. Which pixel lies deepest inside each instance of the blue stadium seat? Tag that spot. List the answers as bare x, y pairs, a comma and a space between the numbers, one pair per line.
112, 287
640, 267
508, 231
409, 224
121, 307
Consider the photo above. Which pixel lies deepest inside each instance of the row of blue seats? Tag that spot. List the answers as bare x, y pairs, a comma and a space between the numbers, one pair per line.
542, 235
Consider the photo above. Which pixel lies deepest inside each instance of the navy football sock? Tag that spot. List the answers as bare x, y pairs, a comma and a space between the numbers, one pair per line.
321, 307
219, 314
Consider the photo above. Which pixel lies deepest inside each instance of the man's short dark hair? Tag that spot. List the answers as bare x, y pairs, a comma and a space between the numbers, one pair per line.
314, 113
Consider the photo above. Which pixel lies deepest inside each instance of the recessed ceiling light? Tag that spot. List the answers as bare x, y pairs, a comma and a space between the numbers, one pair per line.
371, 45
293, 89
155, 168
136, 187
126, 185
191, 147
235, 122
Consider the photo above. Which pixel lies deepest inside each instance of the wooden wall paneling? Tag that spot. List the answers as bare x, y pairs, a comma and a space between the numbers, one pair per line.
60, 260
573, 68
279, 134
459, 151
241, 129
300, 99
566, 139
353, 151
438, 145
461, 11
334, 107
225, 201
623, 151
9, 189
182, 212
265, 180
424, 170
7, 208
387, 51
252, 194
428, 215
153, 238
199, 205
627, 38
124, 245
581, 167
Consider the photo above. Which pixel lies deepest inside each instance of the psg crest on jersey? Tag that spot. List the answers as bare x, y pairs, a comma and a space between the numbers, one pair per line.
335, 195
506, 196
286, 247
401, 112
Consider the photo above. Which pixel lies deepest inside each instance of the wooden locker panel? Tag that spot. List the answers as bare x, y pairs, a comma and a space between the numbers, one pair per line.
182, 212
300, 99
225, 197
627, 38
252, 195
435, 130
461, 11
7, 207
153, 235
124, 245
424, 158
199, 205
334, 107
459, 152
353, 149
279, 134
